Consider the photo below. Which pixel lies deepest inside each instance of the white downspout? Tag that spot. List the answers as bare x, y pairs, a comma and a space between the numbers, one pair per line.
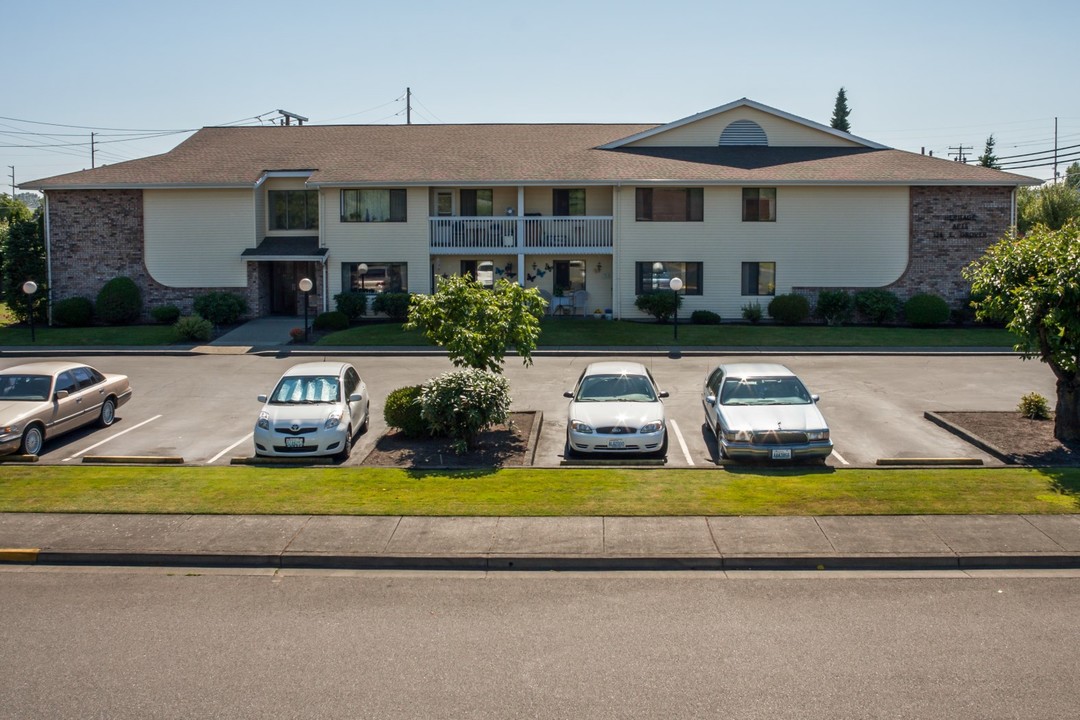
520, 235
616, 276
48, 256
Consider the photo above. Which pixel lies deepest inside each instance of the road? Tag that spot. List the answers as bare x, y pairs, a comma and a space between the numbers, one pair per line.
166, 643
203, 408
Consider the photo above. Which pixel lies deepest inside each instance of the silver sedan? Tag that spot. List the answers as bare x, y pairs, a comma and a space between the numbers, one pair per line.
46, 399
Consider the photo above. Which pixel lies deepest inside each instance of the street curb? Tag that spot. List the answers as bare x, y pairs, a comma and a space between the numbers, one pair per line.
975, 440
929, 462
19, 459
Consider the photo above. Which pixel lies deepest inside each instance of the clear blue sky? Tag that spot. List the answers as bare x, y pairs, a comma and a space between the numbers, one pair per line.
917, 74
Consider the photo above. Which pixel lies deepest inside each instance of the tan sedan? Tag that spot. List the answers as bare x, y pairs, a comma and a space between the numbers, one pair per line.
46, 399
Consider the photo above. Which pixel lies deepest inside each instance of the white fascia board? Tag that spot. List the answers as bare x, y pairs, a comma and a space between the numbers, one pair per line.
461, 184
743, 102
146, 186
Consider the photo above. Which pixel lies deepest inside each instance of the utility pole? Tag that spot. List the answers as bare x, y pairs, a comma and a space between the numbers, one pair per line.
408, 106
12, 181
1055, 150
92, 165
960, 155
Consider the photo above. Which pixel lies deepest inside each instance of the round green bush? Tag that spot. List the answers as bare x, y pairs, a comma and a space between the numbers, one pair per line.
704, 317
220, 308
790, 309
833, 306
353, 304
193, 327
73, 312
751, 312
402, 411
332, 320
166, 314
394, 304
926, 310
463, 403
661, 305
119, 302
877, 305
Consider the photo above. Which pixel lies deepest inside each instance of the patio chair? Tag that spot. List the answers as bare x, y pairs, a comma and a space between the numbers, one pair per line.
550, 307
581, 301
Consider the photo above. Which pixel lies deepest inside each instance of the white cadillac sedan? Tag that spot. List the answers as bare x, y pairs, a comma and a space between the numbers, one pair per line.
762, 410
615, 409
315, 409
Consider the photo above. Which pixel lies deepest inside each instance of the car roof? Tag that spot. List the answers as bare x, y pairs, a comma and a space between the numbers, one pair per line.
615, 367
48, 367
316, 368
749, 370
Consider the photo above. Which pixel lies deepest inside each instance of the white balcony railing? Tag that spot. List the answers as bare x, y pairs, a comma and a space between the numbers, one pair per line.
520, 232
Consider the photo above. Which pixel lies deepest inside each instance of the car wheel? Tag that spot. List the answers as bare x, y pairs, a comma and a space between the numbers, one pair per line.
108, 413
32, 440
570, 453
662, 452
346, 449
364, 425
720, 452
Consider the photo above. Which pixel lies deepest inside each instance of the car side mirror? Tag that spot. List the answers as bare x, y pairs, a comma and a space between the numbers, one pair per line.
356, 397
664, 394
710, 399
261, 398
568, 394
61, 394
815, 398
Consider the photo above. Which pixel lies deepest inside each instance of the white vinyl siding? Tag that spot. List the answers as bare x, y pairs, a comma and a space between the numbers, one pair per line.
822, 237
194, 237
781, 132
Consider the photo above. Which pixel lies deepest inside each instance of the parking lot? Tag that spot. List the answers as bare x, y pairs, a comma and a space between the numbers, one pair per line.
203, 408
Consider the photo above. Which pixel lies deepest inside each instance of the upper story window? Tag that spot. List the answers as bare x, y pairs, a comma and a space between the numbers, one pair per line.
477, 203
373, 205
567, 201
759, 204
670, 204
294, 209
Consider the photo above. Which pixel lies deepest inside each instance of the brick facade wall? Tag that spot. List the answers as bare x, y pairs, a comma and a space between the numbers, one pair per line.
950, 227
96, 235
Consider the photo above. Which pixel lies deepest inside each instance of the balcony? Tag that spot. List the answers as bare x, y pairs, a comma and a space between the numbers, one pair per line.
521, 234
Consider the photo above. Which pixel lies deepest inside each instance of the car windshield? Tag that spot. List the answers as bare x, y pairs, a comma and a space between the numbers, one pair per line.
25, 387
764, 391
620, 388
306, 389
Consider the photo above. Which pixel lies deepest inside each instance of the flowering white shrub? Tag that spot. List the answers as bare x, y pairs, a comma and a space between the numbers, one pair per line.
463, 403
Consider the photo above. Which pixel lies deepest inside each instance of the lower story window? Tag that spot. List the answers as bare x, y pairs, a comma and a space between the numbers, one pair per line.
759, 278
657, 275
482, 271
570, 275
375, 277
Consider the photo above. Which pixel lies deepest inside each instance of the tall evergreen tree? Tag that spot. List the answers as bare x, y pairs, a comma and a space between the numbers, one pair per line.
988, 158
840, 113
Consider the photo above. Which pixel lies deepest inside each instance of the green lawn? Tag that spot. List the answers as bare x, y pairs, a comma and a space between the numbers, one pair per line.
12, 335
578, 332
537, 492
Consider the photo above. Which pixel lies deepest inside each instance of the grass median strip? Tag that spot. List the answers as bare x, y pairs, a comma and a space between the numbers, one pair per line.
538, 492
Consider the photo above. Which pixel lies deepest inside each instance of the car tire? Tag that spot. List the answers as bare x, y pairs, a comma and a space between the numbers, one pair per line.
32, 440
662, 452
346, 449
364, 425
108, 413
570, 453
720, 452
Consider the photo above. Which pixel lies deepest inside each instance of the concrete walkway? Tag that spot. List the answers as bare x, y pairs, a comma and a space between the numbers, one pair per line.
260, 332
925, 542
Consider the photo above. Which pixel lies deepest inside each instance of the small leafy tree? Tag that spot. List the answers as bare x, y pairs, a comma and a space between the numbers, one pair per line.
1032, 283
988, 158
1051, 205
840, 113
22, 246
477, 325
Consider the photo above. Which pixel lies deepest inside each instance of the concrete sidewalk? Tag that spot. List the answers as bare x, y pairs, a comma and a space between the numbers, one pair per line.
527, 543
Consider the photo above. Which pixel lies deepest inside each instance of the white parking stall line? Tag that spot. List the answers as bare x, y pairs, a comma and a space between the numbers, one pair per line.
682, 443
840, 457
217, 457
113, 437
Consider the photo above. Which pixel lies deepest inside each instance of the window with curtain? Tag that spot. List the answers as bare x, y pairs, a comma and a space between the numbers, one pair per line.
656, 275
373, 205
759, 204
380, 277
670, 204
759, 278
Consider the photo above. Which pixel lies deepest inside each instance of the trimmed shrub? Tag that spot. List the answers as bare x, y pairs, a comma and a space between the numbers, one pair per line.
877, 305
463, 403
166, 314
1034, 406
402, 411
394, 304
752, 311
119, 302
220, 308
926, 310
193, 327
833, 306
333, 320
790, 309
73, 312
704, 317
353, 304
661, 305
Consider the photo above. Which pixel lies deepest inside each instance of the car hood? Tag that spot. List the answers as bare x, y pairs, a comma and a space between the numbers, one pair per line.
14, 411
300, 414
767, 417
604, 414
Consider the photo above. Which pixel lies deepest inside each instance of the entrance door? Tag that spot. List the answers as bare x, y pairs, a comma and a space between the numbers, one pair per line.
285, 295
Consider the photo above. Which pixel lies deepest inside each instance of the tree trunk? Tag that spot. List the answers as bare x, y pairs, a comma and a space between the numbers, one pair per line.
1067, 417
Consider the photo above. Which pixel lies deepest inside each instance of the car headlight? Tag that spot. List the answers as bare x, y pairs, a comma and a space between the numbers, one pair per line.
580, 427
738, 435
651, 427
817, 435
333, 421
264, 420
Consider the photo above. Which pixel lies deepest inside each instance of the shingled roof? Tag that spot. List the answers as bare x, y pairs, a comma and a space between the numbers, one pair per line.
355, 155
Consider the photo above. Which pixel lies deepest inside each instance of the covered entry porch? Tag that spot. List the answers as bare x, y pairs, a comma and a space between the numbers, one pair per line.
280, 264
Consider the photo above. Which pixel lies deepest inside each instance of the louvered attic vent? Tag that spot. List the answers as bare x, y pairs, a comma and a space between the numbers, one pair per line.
743, 132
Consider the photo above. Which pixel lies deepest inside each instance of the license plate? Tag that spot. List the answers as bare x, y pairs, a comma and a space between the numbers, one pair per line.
616, 444
781, 454
294, 442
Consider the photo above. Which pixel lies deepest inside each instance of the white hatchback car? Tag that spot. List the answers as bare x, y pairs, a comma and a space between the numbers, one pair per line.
315, 409
615, 409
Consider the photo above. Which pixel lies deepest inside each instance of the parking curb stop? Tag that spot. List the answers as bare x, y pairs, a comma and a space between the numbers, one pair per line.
133, 459
19, 555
